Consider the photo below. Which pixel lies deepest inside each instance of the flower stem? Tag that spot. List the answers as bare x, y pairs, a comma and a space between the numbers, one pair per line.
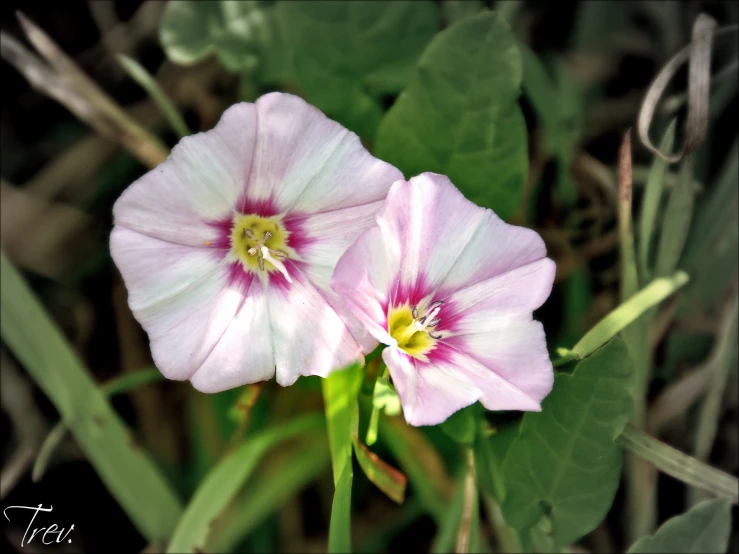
689, 470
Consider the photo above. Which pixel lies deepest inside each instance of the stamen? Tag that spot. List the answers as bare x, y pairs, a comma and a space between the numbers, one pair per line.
248, 233
252, 251
267, 236
433, 323
414, 311
278, 253
437, 303
261, 259
434, 335
277, 263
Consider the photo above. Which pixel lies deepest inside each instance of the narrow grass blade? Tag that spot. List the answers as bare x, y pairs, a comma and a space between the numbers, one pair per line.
678, 215
139, 74
130, 475
388, 479
225, 480
621, 317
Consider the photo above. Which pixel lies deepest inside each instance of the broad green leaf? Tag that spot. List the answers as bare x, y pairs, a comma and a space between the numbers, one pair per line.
456, 10
265, 492
462, 425
340, 391
245, 35
703, 529
385, 477
626, 313
345, 54
651, 201
127, 471
225, 480
459, 114
565, 462
675, 227
490, 454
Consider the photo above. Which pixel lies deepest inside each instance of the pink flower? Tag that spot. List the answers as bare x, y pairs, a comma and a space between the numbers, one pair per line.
227, 248
451, 289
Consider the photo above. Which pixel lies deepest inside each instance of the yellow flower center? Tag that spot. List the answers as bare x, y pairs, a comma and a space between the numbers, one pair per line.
260, 243
413, 331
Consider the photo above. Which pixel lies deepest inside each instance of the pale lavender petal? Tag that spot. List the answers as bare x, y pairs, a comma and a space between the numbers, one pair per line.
243, 354
446, 241
181, 296
200, 182
363, 278
305, 162
308, 337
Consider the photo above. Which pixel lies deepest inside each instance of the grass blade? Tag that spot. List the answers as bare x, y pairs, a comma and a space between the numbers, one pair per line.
126, 470
139, 74
340, 391
223, 482
626, 313
675, 228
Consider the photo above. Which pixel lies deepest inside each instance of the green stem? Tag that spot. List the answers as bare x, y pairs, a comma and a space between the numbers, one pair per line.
687, 469
129, 381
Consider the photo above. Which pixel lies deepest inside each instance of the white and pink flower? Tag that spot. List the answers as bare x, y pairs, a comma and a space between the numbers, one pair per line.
451, 288
227, 248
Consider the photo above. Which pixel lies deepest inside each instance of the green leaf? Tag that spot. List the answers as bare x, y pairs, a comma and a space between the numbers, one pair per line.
346, 54
225, 480
626, 313
127, 471
459, 115
676, 225
340, 391
244, 35
651, 202
705, 528
565, 462
385, 477
462, 425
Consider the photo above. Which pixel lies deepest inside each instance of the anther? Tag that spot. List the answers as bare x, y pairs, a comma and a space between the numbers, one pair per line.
267, 236
435, 304
422, 320
248, 233
434, 322
252, 251
414, 311
278, 253
434, 335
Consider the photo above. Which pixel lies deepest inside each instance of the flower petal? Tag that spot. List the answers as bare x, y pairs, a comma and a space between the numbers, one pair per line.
308, 337
243, 354
306, 162
429, 393
363, 279
513, 347
447, 241
181, 296
519, 291
199, 182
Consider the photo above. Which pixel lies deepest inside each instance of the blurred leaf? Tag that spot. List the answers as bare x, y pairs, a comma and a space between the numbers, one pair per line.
705, 528
223, 482
388, 479
456, 10
346, 54
384, 399
629, 311
459, 115
491, 452
462, 425
565, 463
127, 471
714, 240
245, 35
651, 201
340, 391
268, 491
420, 461
676, 224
